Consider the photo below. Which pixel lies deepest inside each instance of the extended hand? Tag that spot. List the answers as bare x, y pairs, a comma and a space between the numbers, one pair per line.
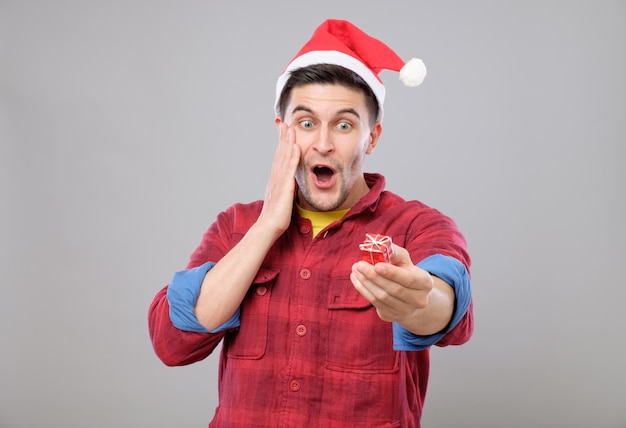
404, 293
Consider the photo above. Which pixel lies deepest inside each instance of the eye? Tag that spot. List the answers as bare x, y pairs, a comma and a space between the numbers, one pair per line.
344, 126
307, 124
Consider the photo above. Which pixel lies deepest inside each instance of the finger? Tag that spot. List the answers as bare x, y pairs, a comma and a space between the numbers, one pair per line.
288, 152
378, 286
397, 274
361, 288
286, 134
409, 276
294, 148
387, 306
287, 155
283, 132
400, 255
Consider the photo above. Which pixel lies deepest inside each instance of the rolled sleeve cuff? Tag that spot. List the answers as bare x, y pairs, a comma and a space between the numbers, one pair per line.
452, 272
182, 294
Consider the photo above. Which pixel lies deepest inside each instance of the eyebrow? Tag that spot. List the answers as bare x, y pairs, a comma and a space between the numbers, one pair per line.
342, 111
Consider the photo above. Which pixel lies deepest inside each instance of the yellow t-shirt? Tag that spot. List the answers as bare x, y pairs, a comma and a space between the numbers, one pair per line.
321, 219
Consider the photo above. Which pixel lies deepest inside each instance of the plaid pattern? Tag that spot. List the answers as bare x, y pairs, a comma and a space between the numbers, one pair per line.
310, 350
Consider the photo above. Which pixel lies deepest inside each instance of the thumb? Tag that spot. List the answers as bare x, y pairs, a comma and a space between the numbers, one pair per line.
399, 256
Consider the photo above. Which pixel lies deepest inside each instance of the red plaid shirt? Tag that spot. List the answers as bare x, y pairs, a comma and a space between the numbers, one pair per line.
310, 350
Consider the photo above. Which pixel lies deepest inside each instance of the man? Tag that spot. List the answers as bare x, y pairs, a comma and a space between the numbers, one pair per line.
312, 335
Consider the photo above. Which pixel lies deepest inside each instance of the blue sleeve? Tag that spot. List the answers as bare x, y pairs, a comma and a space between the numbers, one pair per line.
454, 273
182, 294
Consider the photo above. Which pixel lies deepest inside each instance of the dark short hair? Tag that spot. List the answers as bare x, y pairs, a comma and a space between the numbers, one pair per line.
328, 74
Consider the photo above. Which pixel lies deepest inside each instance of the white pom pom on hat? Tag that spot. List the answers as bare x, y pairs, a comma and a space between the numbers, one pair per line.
342, 43
413, 72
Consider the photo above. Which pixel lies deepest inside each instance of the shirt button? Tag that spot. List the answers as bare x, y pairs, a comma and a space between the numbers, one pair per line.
301, 330
304, 229
261, 290
295, 386
305, 273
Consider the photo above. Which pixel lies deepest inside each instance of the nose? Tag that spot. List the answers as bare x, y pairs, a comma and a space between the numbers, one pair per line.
324, 142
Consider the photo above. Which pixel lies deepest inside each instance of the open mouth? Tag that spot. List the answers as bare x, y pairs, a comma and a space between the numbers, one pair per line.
323, 173
323, 176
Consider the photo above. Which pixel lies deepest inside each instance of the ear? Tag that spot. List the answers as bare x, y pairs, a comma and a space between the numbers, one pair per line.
278, 121
377, 129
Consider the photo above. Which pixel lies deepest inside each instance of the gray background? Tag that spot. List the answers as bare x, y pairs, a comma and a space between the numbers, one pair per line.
126, 126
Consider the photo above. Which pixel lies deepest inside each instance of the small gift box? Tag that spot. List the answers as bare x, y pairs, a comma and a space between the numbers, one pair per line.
376, 248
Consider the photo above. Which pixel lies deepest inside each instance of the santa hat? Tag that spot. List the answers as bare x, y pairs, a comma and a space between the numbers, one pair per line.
342, 43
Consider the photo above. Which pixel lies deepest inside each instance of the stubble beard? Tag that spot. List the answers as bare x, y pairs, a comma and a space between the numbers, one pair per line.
319, 204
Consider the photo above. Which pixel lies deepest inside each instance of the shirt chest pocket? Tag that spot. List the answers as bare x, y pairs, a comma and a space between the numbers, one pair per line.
358, 340
249, 341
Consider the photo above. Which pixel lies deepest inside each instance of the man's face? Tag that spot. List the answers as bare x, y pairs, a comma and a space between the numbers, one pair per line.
331, 124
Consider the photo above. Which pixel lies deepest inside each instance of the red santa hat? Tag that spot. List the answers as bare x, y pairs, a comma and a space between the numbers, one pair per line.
342, 43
